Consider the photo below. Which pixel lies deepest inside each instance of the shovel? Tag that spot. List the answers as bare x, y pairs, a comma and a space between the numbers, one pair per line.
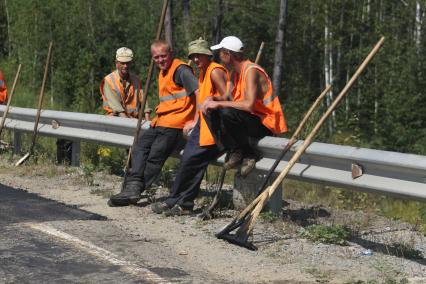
245, 220
10, 99
40, 103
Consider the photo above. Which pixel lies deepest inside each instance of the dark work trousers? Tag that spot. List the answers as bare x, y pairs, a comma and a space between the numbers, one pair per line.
193, 165
232, 129
153, 148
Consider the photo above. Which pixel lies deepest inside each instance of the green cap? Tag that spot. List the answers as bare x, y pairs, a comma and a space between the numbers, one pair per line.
199, 46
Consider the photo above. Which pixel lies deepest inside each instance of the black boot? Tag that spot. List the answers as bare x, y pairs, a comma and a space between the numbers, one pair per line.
130, 194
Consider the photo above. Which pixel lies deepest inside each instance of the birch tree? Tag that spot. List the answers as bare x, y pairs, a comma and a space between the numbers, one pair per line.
328, 66
279, 44
168, 26
186, 20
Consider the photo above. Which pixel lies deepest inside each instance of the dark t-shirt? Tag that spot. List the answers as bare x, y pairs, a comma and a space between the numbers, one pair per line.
184, 77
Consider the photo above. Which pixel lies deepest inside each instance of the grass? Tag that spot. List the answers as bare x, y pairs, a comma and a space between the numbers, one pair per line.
95, 157
332, 234
105, 193
268, 217
321, 276
413, 212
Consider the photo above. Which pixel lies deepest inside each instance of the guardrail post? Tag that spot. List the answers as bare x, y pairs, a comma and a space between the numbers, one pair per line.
245, 190
75, 156
17, 142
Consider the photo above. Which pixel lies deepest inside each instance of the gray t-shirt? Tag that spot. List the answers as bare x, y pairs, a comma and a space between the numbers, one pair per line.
184, 77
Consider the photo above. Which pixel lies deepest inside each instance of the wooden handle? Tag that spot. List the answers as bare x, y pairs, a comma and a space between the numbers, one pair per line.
259, 53
147, 85
40, 99
6, 111
332, 107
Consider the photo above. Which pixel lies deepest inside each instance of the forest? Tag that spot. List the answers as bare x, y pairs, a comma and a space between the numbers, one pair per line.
308, 44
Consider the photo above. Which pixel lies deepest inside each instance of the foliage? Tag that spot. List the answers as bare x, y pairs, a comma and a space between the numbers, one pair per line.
87, 173
111, 159
268, 217
405, 210
383, 110
333, 234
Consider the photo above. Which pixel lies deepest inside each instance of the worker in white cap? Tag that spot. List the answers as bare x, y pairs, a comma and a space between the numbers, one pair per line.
253, 111
121, 89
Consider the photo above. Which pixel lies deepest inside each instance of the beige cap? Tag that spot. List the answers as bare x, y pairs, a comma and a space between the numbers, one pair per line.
199, 46
124, 54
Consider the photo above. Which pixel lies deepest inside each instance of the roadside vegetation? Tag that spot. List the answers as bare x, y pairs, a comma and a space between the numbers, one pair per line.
384, 110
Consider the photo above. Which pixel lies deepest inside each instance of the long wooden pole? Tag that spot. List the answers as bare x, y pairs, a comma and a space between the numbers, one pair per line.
147, 85
257, 205
293, 138
40, 104
259, 52
6, 111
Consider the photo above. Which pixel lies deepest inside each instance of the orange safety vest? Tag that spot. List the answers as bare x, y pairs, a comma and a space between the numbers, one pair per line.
206, 90
268, 108
176, 106
130, 101
3, 89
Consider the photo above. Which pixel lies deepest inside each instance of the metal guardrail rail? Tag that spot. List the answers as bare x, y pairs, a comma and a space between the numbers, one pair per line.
384, 172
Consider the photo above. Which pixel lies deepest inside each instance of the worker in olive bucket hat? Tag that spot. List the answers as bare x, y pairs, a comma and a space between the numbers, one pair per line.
201, 148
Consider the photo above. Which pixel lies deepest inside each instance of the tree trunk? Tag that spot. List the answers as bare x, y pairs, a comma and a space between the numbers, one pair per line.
279, 46
418, 27
328, 68
168, 28
217, 27
9, 45
186, 20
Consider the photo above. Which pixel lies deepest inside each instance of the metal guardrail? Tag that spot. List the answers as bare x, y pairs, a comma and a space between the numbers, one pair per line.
384, 172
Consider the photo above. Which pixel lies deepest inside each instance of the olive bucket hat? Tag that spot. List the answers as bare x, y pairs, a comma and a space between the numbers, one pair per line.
199, 46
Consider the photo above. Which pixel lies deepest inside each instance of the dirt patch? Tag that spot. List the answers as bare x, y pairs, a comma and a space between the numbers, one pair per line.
379, 249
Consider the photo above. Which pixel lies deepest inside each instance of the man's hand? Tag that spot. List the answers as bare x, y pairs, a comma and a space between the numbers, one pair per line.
209, 105
188, 127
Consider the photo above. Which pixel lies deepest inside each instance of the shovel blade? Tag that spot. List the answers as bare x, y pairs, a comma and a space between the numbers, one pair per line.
22, 160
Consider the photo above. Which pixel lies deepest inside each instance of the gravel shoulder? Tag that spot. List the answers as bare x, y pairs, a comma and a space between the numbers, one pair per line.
185, 243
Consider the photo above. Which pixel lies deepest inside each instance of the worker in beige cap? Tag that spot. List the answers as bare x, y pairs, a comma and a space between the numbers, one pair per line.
121, 90
201, 148
177, 91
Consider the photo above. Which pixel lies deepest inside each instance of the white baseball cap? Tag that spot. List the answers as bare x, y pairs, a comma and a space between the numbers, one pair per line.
231, 43
124, 54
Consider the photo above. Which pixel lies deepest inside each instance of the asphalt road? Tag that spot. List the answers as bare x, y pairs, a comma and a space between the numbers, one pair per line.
31, 252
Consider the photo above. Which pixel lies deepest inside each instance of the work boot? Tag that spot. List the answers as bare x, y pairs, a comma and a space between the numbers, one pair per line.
130, 194
247, 166
235, 158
